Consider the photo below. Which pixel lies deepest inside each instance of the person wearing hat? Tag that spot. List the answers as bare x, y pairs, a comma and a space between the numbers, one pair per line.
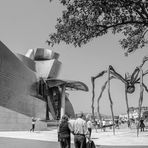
64, 132
80, 131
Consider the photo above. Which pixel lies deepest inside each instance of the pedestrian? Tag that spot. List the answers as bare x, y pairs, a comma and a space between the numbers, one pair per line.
104, 125
142, 125
64, 132
33, 124
95, 125
110, 124
71, 122
80, 132
129, 123
89, 126
117, 123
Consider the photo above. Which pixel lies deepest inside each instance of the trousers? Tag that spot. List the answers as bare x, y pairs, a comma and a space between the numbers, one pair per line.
79, 141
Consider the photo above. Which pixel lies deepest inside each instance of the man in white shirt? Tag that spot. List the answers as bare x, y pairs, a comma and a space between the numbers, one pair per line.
80, 131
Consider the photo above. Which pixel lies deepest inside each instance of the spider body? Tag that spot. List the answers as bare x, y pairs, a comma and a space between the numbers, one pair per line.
130, 88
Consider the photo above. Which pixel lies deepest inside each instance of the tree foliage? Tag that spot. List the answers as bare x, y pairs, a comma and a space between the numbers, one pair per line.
83, 20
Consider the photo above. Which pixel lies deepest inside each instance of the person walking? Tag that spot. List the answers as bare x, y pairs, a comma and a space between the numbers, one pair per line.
80, 132
89, 126
104, 125
142, 125
33, 124
110, 124
64, 133
117, 123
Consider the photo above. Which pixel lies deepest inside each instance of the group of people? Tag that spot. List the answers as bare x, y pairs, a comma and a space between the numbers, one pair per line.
138, 123
81, 128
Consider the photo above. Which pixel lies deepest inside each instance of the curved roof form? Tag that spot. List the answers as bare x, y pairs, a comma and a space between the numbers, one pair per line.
71, 85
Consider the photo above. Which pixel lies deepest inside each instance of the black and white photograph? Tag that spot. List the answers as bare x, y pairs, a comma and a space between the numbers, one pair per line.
74, 73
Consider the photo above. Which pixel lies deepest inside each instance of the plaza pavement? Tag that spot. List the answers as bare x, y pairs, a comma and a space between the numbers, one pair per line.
123, 137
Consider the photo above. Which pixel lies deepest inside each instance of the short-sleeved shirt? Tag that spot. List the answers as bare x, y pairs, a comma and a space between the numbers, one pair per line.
104, 123
89, 124
71, 124
80, 126
33, 121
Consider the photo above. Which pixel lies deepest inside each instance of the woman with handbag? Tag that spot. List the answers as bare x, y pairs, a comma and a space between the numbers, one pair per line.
64, 132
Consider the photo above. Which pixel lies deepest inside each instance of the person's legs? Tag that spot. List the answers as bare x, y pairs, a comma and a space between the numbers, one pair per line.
141, 129
76, 141
33, 127
82, 142
30, 129
96, 127
62, 144
89, 129
67, 143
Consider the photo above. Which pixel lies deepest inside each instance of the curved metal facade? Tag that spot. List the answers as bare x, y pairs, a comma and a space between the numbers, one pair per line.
22, 93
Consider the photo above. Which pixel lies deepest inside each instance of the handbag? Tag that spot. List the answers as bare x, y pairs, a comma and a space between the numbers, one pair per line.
90, 144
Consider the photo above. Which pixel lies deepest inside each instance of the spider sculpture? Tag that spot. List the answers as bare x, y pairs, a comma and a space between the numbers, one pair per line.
130, 80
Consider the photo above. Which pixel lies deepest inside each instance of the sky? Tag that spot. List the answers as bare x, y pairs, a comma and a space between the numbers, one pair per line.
26, 24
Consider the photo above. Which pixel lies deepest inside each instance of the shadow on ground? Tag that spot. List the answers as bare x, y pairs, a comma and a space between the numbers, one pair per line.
23, 143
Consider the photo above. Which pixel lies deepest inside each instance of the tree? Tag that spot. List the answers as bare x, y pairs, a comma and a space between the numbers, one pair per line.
83, 20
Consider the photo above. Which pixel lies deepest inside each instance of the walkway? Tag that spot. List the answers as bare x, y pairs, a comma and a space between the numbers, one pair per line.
122, 138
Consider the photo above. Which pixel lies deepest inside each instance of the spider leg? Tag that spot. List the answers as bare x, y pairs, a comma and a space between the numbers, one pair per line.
101, 93
114, 73
145, 73
93, 94
145, 58
99, 75
135, 75
109, 96
93, 88
145, 87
